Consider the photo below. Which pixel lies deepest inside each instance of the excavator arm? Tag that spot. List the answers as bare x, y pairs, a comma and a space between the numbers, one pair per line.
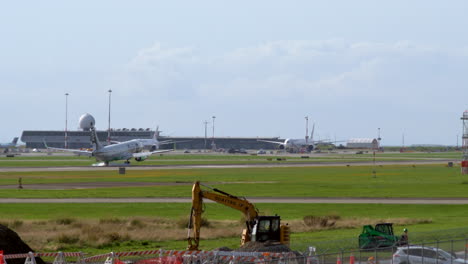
237, 203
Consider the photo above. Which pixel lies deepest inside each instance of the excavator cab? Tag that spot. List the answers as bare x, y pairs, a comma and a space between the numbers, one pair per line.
267, 228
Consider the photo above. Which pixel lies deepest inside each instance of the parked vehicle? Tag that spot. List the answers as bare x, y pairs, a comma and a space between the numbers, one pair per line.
261, 151
424, 255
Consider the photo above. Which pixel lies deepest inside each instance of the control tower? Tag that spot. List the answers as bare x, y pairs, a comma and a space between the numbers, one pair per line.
464, 163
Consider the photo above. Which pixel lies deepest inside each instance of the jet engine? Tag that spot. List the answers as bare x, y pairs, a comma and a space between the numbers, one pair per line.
310, 148
141, 158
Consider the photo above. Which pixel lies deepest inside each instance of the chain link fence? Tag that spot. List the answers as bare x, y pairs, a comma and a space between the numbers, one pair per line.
349, 244
428, 252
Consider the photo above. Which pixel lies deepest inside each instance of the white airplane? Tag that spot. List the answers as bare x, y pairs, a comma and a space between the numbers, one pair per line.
7, 146
119, 151
11, 144
297, 144
153, 143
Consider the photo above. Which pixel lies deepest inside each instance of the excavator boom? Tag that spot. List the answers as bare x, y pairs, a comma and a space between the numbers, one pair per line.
258, 228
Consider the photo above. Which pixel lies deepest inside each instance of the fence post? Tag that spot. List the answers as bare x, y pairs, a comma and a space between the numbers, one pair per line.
60, 259
407, 253
30, 259
422, 252
375, 256
451, 251
394, 249
110, 259
437, 251
80, 259
465, 248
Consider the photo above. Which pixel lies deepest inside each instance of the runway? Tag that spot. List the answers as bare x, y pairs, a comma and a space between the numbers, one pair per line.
255, 200
225, 166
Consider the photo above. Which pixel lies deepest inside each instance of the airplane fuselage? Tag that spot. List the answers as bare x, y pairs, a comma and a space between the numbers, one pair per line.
297, 143
8, 145
120, 151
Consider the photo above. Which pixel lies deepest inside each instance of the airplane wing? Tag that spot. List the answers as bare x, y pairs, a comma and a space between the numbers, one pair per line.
274, 142
148, 153
166, 142
326, 142
76, 151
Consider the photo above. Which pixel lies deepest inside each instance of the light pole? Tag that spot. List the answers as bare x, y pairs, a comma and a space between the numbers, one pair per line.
378, 137
66, 120
206, 124
108, 129
213, 142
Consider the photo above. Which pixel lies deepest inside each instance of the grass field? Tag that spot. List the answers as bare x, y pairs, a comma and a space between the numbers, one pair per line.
141, 226
418, 218
354, 181
203, 159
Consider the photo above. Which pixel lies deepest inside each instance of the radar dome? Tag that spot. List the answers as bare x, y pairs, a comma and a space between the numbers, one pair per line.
86, 122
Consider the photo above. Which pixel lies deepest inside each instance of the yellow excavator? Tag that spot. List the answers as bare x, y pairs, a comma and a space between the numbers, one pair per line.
258, 228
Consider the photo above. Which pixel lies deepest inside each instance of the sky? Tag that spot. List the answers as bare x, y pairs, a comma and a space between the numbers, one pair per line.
260, 67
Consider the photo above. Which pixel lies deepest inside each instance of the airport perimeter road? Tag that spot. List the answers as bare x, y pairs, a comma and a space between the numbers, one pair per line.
223, 166
295, 200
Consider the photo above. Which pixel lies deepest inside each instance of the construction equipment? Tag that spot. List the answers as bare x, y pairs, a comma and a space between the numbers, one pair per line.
258, 228
379, 236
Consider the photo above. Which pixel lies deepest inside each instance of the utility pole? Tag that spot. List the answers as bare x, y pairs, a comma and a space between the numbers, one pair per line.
206, 124
378, 138
66, 120
213, 145
109, 127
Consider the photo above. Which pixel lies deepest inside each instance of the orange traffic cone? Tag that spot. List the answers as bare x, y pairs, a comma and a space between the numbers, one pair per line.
351, 259
2, 261
338, 260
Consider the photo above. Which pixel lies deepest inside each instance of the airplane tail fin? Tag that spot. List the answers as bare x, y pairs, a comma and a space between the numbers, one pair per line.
15, 140
95, 139
155, 137
312, 133
156, 133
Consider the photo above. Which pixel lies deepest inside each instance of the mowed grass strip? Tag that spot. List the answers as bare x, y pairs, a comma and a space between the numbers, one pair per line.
355, 181
60, 160
446, 216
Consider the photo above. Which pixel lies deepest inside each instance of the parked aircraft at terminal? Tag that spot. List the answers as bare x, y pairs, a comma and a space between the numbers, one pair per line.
120, 151
298, 144
9, 145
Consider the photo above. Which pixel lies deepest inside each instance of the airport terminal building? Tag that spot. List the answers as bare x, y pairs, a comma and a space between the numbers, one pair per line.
82, 139
363, 143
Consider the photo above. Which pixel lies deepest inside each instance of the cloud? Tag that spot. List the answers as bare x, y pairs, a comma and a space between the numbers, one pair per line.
331, 67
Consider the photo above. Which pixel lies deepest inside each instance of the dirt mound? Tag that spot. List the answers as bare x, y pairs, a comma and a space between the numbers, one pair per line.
11, 243
254, 246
